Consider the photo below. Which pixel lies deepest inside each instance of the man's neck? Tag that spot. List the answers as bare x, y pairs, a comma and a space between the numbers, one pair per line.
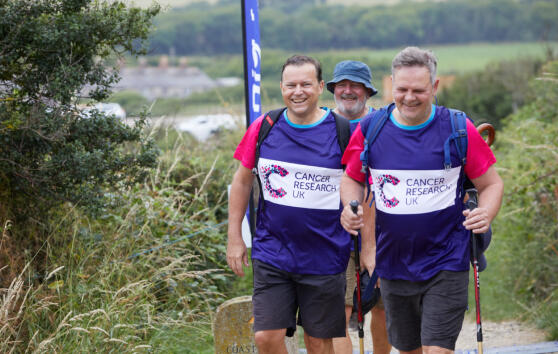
308, 119
359, 115
399, 118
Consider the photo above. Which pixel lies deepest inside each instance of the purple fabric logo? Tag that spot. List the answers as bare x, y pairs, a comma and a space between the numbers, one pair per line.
267, 171
381, 181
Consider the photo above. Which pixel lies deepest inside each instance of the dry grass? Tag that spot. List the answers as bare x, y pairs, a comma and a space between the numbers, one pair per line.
93, 296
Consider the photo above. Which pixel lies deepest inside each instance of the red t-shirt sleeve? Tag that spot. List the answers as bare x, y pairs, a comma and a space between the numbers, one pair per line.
351, 157
479, 154
246, 150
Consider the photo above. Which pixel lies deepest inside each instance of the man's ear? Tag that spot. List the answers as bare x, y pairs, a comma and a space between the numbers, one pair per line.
435, 86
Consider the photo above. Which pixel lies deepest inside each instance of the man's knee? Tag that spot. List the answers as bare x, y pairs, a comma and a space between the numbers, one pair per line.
432, 349
269, 339
318, 345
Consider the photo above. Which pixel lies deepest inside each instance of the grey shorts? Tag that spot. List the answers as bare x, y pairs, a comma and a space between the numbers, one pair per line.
319, 300
429, 312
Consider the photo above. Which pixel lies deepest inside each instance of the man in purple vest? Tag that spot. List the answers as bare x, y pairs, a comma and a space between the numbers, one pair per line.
352, 87
300, 250
423, 241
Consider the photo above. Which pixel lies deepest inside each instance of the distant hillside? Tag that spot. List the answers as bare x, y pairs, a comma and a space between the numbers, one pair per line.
170, 3
179, 3
302, 26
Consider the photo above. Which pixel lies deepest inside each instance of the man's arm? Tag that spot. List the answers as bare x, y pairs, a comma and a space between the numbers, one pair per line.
491, 189
351, 190
238, 201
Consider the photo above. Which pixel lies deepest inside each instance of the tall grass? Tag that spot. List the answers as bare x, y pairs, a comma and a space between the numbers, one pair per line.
131, 280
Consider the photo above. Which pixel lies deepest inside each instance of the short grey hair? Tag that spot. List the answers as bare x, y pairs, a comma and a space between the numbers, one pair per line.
414, 56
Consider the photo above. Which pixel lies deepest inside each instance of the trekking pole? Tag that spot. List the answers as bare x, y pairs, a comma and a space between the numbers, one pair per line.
472, 204
354, 208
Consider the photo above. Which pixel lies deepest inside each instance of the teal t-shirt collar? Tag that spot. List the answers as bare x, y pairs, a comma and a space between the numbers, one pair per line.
414, 127
304, 126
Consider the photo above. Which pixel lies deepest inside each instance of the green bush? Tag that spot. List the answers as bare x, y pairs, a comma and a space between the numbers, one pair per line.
526, 253
52, 152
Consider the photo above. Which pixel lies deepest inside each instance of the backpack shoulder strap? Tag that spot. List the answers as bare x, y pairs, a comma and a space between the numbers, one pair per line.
343, 127
458, 134
267, 123
376, 122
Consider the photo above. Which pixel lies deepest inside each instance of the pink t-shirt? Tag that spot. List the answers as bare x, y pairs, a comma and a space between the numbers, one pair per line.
246, 150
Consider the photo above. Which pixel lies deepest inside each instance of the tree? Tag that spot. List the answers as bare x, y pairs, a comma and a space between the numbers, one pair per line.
494, 93
51, 152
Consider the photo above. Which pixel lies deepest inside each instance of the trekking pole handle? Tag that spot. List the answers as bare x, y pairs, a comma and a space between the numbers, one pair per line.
354, 206
472, 202
490, 132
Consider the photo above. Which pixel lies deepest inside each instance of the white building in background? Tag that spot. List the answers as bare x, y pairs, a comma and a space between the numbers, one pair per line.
165, 81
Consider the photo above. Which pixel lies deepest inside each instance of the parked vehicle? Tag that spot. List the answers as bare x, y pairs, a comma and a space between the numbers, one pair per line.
108, 109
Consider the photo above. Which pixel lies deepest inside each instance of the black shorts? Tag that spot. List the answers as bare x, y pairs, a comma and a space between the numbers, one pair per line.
318, 298
428, 313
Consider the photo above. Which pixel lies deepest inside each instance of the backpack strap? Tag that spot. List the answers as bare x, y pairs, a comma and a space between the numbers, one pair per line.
267, 123
378, 119
458, 122
343, 127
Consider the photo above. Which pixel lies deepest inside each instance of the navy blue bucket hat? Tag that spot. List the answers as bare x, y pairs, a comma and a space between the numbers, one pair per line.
482, 241
354, 71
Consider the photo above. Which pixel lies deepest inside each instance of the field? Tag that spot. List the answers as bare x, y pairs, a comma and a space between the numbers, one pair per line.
458, 59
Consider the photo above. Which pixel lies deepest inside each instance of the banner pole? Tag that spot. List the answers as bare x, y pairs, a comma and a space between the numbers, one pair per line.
252, 79
246, 69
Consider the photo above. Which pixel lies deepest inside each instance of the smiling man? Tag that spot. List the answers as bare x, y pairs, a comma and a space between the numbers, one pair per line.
423, 243
352, 87
300, 250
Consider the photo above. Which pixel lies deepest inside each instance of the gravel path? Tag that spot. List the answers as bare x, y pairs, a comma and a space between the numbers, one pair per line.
502, 334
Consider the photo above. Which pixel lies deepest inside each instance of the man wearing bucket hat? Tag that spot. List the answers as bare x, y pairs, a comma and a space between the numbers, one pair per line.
352, 87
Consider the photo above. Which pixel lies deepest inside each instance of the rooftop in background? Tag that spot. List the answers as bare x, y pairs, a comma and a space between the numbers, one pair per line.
166, 80
157, 82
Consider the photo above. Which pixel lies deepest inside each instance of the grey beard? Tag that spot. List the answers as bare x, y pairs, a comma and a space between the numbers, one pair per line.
353, 112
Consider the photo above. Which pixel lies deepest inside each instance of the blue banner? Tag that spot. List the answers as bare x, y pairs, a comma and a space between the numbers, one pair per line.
252, 59
252, 88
